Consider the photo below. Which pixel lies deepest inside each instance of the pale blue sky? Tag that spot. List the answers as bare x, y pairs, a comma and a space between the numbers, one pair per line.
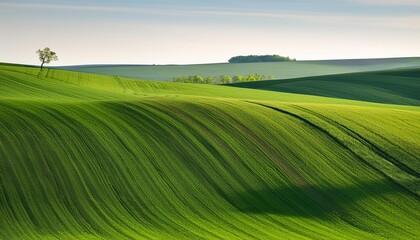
186, 31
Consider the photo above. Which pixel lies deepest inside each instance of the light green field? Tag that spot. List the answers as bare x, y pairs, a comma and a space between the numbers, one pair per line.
85, 156
280, 70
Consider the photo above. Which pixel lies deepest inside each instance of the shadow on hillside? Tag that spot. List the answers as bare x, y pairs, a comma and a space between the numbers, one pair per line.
394, 87
312, 201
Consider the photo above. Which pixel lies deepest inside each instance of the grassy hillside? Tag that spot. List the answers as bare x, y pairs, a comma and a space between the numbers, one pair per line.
280, 70
395, 87
91, 157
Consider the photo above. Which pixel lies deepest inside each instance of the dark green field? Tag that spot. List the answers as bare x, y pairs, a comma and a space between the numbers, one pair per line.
85, 156
393, 87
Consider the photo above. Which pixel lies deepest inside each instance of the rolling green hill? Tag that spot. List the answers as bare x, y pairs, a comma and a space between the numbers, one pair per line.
280, 70
85, 156
395, 87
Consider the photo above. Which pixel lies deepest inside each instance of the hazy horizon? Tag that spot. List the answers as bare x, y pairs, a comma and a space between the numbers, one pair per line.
191, 32
57, 64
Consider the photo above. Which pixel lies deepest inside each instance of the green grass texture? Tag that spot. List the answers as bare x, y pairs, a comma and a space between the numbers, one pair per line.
280, 70
85, 156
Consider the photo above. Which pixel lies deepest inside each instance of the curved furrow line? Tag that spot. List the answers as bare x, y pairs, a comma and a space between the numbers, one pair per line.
383, 138
403, 179
364, 141
349, 219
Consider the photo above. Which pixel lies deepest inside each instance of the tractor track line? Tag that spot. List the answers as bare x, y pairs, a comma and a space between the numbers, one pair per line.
337, 141
365, 142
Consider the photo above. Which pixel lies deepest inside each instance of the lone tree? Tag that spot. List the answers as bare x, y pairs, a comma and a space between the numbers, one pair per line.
46, 56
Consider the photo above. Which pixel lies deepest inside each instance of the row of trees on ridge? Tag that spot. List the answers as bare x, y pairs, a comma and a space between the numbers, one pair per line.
222, 79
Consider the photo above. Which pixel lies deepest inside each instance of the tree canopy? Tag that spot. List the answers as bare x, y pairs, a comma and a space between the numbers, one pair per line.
46, 56
260, 58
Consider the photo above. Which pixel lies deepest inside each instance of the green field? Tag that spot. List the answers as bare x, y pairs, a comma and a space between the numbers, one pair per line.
280, 70
394, 87
85, 156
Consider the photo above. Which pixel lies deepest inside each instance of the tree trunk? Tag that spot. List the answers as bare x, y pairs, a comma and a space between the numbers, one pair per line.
40, 70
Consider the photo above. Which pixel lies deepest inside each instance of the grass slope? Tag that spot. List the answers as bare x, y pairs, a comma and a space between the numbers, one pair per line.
394, 87
281, 70
92, 157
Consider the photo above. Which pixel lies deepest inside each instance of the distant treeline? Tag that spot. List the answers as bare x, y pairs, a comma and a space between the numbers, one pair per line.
222, 79
260, 58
